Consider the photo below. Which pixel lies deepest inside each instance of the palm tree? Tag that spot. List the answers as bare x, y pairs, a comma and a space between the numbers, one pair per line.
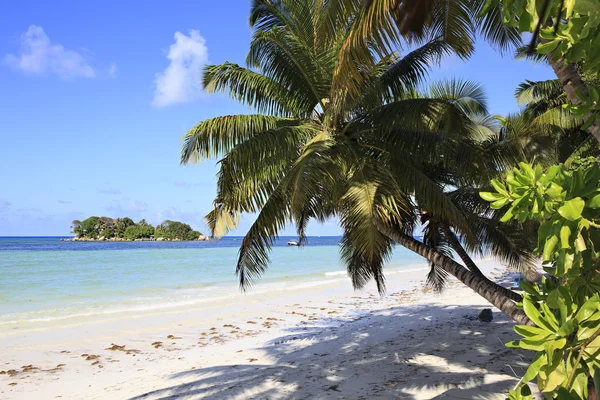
543, 103
313, 152
386, 23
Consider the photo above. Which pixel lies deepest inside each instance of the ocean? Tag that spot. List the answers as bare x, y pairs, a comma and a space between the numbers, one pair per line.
45, 279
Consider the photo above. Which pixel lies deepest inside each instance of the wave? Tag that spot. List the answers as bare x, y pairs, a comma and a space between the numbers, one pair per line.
336, 273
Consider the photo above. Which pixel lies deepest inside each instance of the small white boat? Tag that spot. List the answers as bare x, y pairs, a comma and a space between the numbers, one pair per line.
292, 243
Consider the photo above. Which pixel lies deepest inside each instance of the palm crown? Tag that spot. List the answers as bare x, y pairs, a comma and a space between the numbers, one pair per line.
316, 150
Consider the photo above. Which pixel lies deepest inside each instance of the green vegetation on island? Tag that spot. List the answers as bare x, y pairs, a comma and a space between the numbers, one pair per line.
105, 228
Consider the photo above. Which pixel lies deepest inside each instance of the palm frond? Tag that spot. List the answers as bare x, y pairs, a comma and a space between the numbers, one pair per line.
254, 251
492, 27
221, 220
291, 63
451, 21
216, 136
437, 277
252, 169
467, 95
410, 71
255, 90
529, 91
363, 248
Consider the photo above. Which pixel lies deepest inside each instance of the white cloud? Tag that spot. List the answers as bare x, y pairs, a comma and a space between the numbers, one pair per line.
38, 55
180, 81
138, 206
112, 70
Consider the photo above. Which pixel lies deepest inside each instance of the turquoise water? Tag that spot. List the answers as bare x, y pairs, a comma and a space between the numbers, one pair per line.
43, 279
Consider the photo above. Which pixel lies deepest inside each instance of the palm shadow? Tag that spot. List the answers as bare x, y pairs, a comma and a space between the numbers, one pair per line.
403, 352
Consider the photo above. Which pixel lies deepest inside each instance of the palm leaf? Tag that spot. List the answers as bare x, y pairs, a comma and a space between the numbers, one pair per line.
217, 136
467, 95
255, 90
411, 70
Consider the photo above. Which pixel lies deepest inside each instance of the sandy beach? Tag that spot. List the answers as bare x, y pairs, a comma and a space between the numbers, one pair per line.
316, 341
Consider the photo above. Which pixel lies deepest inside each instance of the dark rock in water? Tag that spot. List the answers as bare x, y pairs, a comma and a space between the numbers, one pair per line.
485, 315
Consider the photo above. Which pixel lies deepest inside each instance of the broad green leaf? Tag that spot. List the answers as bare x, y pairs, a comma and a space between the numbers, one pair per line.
549, 247
565, 236
545, 48
594, 202
507, 216
529, 331
588, 308
534, 368
572, 209
489, 196
536, 343
556, 375
496, 205
534, 315
500, 188
549, 316
567, 328
569, 5
580, 243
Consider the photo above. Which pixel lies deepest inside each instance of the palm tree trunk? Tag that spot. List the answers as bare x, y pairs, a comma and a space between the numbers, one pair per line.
470, 264
571, 82
475, 281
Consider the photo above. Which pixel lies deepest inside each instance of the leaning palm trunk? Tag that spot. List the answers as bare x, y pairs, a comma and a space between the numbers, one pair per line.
477, 282
470, 264
571, 81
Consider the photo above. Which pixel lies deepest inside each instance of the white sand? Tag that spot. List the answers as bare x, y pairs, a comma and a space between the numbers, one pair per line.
324, 341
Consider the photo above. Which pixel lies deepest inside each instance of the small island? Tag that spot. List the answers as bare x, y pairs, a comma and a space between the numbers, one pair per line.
124, 229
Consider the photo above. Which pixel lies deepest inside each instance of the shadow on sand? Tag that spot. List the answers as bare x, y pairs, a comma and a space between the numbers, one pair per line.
404, 352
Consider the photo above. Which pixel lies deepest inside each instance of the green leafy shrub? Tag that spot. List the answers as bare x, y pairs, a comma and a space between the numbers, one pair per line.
138, 232
176, 230
565, 308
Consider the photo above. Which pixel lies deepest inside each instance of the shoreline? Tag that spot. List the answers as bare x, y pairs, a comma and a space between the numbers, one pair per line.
170, 300
310, 342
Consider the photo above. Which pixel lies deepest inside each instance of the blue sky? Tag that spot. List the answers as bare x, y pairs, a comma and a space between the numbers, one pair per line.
96, 97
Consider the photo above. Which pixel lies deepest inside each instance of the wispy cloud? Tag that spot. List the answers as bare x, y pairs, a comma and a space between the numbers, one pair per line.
138, 206
38, 56
64, 202
4, 205
113, 206
180, 81
30, 209
112, 70
109, 190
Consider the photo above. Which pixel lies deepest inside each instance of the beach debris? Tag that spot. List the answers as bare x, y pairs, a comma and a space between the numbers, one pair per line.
485, 315
26, 368
10, 372
157, 344
251, 322
173, 337
334, 388
12, 384
116, 347
89, 357
252, 359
